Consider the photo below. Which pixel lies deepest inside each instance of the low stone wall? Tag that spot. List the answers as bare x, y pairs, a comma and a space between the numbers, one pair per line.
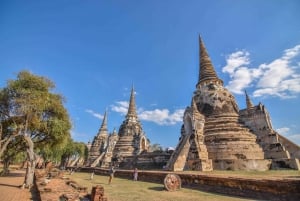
57, 187
265, 189
146, 161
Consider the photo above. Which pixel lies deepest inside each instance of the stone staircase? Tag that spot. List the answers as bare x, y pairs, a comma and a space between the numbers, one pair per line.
96, 161
179, 156
125, 146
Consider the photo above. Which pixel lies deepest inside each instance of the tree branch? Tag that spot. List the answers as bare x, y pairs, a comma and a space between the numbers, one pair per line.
7, 140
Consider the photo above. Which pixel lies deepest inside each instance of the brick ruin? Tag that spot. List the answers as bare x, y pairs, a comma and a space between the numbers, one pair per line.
216, 135
283, 152
99, 144
122, 148
132, 139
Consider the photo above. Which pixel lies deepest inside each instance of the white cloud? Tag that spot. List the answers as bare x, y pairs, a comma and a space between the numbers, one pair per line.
283, 131
240, 80
162, 117
158, 116
281, 77
121, 107
235, 60
241, 75
95, 114
290, 53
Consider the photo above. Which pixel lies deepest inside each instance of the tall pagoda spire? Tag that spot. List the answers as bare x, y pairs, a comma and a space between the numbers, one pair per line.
103, 128
248, 101
131, 109
194, 106
206, 69
104, 122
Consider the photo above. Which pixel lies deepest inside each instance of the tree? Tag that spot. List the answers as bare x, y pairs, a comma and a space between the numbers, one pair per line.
72, 152
15, 148
29, 109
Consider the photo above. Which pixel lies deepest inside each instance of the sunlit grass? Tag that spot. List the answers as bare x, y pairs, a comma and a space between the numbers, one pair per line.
128, 190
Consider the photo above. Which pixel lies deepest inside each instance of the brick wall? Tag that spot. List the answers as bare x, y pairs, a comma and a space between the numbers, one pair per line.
270, 189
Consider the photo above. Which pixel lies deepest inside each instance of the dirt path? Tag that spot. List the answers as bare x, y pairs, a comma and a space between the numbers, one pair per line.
10, 187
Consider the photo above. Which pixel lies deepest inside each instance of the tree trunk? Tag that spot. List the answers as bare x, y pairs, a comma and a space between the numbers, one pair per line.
63, 161
5, 142
6, 163
31, 161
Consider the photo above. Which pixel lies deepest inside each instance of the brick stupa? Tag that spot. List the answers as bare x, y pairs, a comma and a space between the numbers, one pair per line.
216, 139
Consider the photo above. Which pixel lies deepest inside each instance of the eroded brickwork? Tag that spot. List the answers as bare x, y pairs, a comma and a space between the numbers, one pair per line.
217, 135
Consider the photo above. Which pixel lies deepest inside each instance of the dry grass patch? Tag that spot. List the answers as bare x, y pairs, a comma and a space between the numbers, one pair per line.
128, 190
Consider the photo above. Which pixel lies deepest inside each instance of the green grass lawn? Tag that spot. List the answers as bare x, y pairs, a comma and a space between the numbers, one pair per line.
128, 190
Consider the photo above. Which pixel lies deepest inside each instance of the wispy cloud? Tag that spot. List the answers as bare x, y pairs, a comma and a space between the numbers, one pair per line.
285, 132
158, 116
95, 114
162, 116
280, 78
236, 60
120, 107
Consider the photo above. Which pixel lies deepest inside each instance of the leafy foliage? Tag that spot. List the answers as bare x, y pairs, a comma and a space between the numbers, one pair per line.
73, 150
28, 107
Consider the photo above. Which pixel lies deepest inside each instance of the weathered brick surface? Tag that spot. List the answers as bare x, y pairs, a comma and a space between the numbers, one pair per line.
57, 187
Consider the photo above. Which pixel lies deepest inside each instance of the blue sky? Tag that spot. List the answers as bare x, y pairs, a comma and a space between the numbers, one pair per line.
94, 51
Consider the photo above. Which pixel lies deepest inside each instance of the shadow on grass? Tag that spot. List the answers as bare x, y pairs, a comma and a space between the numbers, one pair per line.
157, 188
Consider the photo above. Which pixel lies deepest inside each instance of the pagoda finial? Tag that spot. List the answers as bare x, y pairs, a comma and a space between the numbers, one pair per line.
132, 108
103, 128
206, 69
248, 101
104, 122
193, 104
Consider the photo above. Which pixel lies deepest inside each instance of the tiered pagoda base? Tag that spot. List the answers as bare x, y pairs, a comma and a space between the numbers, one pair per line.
231, 145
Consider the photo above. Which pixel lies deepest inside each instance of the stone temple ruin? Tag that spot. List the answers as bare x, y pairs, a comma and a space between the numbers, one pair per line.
217, 135
117, 149
132, 139
101, 149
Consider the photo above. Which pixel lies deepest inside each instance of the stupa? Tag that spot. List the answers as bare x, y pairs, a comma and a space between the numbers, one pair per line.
106, 161
131, 138
284, 153
217, 139
99, 144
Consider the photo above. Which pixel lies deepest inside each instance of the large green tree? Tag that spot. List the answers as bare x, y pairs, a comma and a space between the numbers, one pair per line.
31, 110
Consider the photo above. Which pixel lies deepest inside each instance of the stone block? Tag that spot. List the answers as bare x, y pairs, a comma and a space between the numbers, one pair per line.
241, 164
285, 164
